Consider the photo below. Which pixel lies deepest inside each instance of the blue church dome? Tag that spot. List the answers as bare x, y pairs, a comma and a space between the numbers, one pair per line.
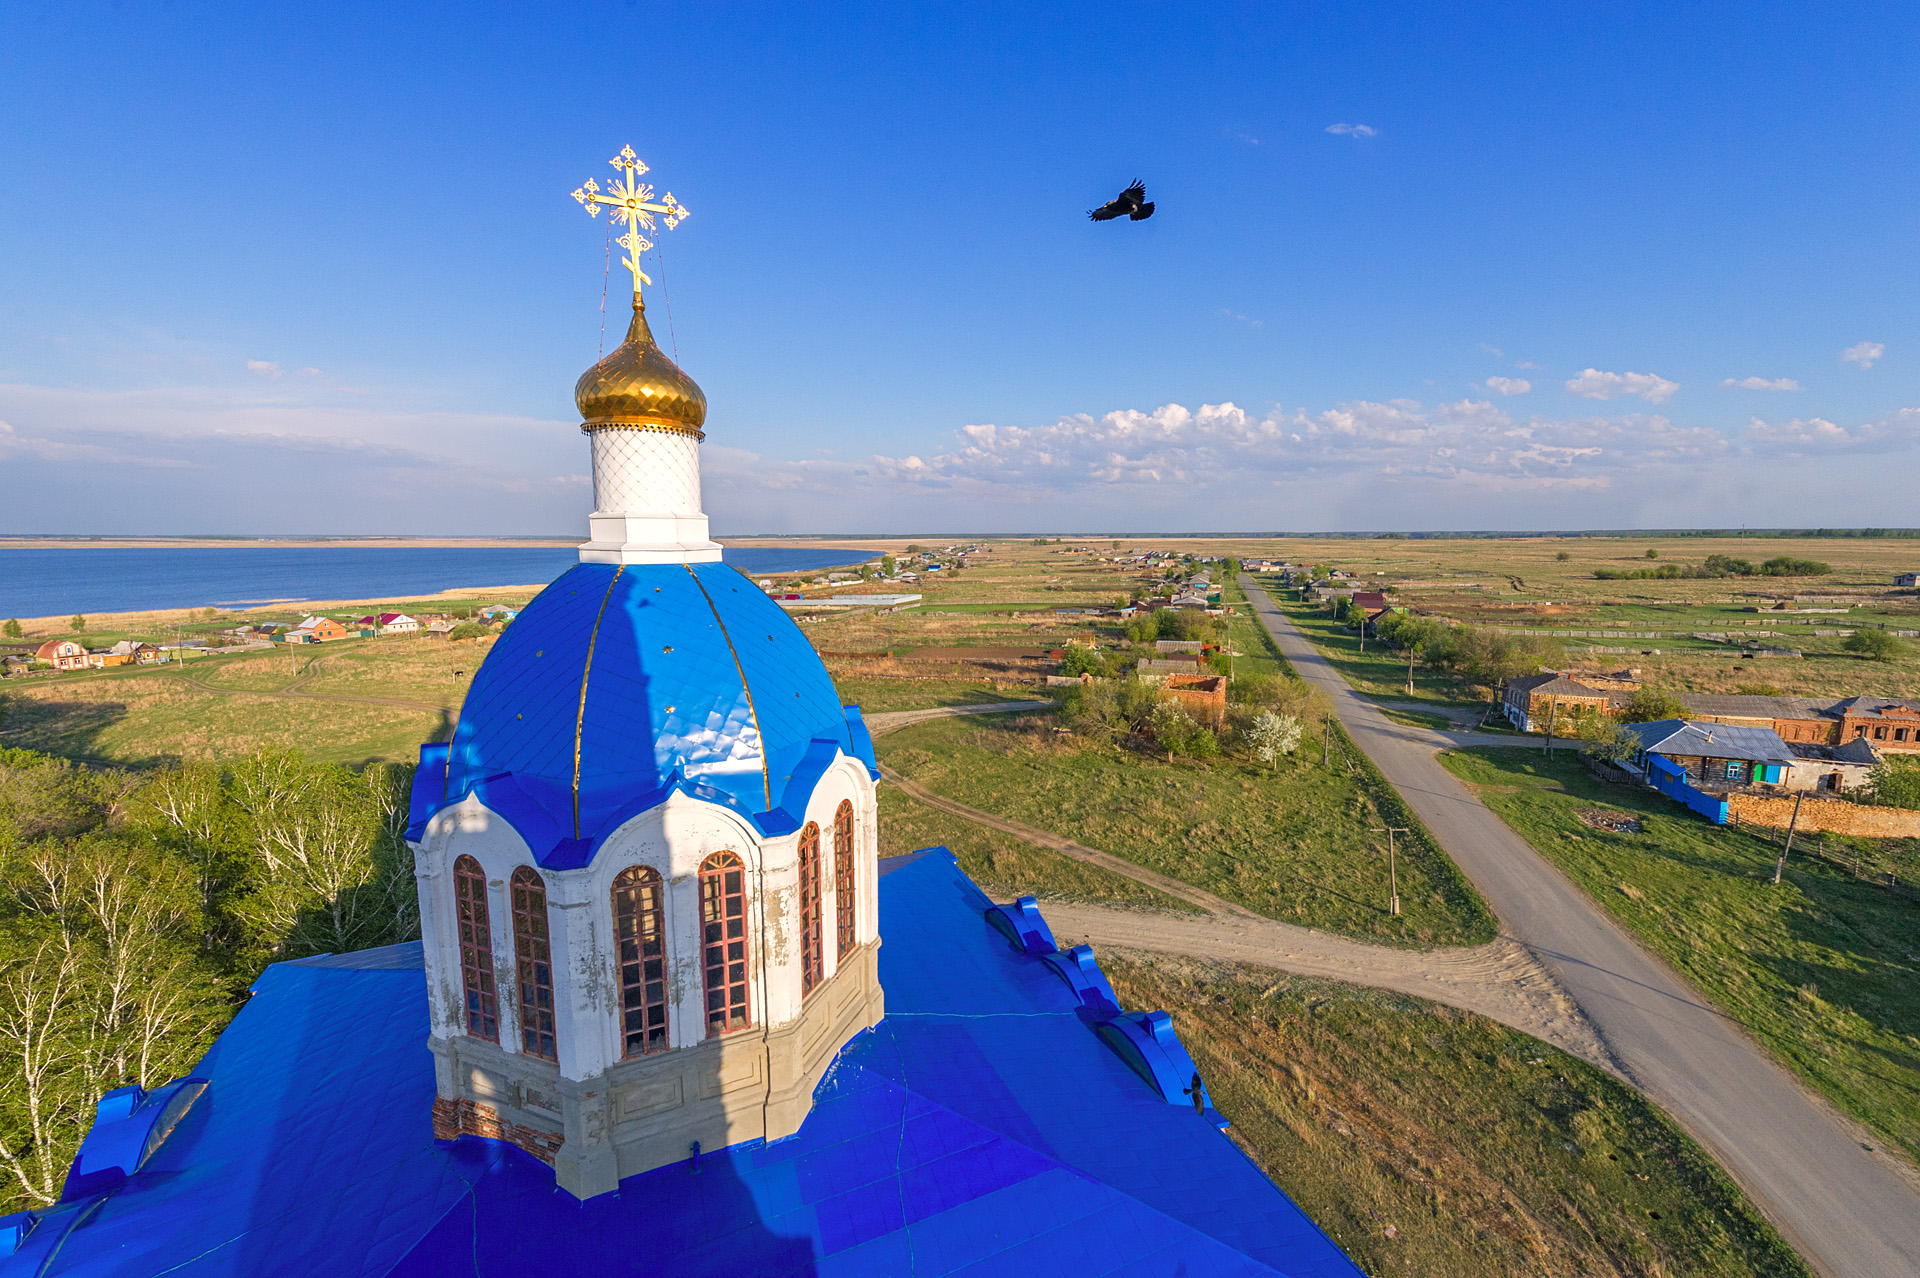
622, 682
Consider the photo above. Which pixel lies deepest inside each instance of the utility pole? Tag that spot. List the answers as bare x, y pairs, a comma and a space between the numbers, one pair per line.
1412, 654
1326, 739
1393, 875
1780, 866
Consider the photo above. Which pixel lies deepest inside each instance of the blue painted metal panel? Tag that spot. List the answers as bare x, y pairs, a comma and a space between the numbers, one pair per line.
1671, 780
981, 1129
695, 660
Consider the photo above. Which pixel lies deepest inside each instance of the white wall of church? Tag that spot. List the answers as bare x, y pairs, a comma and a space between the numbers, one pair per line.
674, 839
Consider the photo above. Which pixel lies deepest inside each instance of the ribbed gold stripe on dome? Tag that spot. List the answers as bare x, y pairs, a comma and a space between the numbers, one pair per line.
580, 722
766, 779
662, 427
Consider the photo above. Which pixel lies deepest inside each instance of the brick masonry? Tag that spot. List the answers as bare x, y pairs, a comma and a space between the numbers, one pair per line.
1835, 816
463, 1117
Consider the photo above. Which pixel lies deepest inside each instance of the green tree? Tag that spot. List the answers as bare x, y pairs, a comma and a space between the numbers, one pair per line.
1652, 553
888, 565
1651, 705
77, 623
13, 630
1563, 555
1894, 783
1874, 645
1080, 660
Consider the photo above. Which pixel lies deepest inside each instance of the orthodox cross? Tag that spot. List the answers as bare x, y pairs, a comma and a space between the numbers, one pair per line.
631, 204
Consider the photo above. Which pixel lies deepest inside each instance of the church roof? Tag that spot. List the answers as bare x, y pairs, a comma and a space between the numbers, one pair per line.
982, 1128
619, 683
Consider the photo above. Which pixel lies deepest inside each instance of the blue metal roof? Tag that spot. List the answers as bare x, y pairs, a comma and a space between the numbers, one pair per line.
1711, 740
982, 1128
619, 683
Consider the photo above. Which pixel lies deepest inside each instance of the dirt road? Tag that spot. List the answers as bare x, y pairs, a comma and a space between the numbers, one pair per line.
1849, 1211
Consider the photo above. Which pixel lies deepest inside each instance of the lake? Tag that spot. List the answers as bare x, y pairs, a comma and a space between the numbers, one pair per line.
45, 583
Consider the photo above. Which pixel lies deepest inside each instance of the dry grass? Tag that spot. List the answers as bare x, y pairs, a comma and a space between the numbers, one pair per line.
1427, 1140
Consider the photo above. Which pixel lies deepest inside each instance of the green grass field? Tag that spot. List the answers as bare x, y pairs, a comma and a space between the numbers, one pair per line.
1427, 1140
1006, 867
1823, 969
1296, 845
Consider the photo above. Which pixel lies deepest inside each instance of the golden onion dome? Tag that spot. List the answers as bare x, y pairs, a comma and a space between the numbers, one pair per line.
637, 386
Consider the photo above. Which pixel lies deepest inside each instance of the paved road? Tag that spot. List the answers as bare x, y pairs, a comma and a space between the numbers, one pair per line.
1851, 1213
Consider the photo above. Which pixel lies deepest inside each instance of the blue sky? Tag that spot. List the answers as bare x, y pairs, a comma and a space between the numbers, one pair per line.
274, 269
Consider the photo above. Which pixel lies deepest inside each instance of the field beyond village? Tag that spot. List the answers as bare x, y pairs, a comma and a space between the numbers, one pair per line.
1425, 1139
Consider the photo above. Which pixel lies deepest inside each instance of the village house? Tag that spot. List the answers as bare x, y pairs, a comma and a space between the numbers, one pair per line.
1907, 579
1890, 725
1822, 767
500, 612
1714, 754
1532, 702
321, 629
133, 652
391, 623
63, 654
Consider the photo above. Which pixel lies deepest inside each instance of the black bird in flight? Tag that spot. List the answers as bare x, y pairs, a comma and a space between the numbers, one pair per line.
1132, 202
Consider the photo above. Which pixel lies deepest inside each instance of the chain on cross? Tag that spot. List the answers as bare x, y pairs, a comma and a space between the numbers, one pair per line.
631, 204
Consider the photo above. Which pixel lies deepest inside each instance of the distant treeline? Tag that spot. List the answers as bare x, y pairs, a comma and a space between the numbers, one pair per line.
1719, 566
1489, 534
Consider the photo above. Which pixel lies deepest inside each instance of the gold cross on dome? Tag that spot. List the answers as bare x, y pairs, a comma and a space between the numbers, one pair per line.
631, 204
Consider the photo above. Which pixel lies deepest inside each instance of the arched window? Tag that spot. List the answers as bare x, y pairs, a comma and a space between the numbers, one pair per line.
533, 961
811, 925
845, 903
723, 942
642, 937
476, 949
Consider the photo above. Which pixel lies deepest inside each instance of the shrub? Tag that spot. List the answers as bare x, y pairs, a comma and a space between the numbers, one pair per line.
1788, 566
1650, 705
1273, 735
1874, 645
1080, 660
1894, 783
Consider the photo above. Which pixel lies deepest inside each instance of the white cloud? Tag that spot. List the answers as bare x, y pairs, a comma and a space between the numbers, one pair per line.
1248, 320
1470, 444
1526, 364
1863, 354
1815, 436
1494, 351
264, 368
1594, 384
1354, 130
1761, 383
1509, 385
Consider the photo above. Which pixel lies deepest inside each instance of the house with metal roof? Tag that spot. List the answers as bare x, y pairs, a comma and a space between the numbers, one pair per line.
1714, 754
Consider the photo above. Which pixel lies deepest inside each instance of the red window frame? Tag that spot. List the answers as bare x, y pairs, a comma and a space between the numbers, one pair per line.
846, 906
812, 926
724, 953
641, 935
476, 949
533, 963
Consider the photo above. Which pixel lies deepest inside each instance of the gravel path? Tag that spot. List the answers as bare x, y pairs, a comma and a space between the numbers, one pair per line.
1851, 1209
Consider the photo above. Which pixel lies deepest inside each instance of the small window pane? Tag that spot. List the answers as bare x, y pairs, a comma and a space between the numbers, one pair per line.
641, 937
476, 949
723, 943
533, 960
811, 956
845, 903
